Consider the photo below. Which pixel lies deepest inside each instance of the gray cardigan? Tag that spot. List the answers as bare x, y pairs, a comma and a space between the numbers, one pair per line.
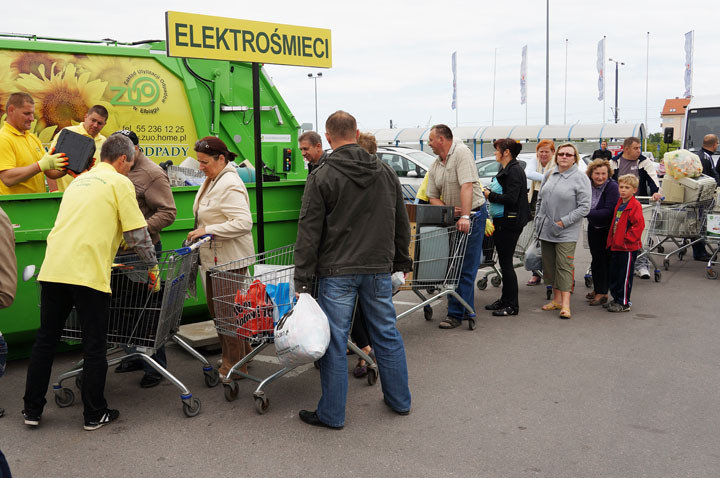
563, 197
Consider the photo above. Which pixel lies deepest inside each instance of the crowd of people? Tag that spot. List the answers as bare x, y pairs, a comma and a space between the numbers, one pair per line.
123, 200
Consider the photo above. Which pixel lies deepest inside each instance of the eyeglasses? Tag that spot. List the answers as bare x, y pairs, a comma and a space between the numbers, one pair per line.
566, 155
202, 144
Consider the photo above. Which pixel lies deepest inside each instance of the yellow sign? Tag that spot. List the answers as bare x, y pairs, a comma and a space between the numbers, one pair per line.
217, 38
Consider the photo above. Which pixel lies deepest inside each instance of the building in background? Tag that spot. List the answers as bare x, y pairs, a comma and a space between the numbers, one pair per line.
673, 115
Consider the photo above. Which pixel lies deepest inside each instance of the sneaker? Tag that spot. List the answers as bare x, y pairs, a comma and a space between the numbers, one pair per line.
608, 304
618, 307
31, 419
106, 417
497, 305
642, 272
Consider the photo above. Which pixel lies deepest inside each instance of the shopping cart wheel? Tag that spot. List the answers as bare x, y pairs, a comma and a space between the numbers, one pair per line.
432, 290
471, 323
711, 274
372, 376
658, 275
660, 249
496, 281
212, 377
317, 364
681, 254
588, 281
78, 381
64, 397
230, 391
482, 283
666, 264
262, 404
193, 408
428, 312
548, 292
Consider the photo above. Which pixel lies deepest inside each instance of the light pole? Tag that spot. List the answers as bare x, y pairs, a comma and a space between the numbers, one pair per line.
617, 62
315, 77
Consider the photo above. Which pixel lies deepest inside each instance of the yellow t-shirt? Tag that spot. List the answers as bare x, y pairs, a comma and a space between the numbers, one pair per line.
422, 190
20, 149
95, 210
65, 181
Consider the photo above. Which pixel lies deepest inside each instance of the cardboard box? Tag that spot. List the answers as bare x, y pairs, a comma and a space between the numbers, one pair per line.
688, 189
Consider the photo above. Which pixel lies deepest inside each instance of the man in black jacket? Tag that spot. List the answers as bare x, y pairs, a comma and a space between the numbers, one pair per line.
353, 233
710, 144
603, 152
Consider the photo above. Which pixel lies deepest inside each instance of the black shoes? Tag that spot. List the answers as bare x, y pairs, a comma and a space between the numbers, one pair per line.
129, 366
311, 418
509, 310
497, 305
150, 380
106, 417
31, 419
405, 413
703, 258
450, 323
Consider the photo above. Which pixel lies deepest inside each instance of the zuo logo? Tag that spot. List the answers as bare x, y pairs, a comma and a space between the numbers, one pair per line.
144, 91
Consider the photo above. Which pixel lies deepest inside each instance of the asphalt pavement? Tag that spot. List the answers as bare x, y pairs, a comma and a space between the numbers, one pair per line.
601, 395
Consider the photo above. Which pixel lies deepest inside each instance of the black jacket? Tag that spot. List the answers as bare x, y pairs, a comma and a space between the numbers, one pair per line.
707, 164
514, 196
602, 215
599, 153
647, 186
352, 219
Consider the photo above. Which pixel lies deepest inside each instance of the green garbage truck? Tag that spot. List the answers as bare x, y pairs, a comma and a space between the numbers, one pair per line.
170, 103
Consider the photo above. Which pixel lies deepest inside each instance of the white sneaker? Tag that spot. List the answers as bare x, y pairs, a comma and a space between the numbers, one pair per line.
642, 272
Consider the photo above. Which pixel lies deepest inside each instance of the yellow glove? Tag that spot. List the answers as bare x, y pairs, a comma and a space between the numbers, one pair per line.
123, 245
154, 278
489, 228
53, 161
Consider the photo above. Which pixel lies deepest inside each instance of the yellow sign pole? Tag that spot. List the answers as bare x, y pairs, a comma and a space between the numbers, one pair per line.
207, 37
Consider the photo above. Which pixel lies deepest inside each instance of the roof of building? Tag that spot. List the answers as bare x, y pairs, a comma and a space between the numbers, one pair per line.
675, 106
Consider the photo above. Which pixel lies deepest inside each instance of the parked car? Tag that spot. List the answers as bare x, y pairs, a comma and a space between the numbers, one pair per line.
411, 165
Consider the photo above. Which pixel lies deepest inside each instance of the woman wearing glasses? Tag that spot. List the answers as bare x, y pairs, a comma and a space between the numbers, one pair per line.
222, 208
563, 201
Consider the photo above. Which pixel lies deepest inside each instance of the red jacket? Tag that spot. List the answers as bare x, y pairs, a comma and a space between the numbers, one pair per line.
629, 229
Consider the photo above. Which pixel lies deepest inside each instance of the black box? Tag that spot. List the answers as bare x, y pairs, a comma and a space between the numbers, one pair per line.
428, 215
78, 148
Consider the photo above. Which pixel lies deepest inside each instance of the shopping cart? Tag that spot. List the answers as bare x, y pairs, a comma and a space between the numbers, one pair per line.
250, 295
141, 320
680, 224
712, 237
438, 253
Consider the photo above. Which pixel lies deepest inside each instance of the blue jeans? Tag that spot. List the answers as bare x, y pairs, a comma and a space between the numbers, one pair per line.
336, 296
473, 257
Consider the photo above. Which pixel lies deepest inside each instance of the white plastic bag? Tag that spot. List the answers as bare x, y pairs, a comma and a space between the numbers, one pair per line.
303, 334
681, 163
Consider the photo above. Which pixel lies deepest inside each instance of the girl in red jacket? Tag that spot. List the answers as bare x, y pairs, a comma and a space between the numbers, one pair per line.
624, 241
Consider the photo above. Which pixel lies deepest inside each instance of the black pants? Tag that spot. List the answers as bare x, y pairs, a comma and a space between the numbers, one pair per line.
600, 264
622, 268
505, 242
359, 332
92, 306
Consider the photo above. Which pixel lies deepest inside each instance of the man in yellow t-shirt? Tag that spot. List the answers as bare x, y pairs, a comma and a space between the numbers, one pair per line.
97, 211
94, 122
22, 156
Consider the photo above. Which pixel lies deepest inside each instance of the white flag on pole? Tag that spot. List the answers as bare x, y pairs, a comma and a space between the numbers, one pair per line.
454, 72
601, 69
688, 62
523, 76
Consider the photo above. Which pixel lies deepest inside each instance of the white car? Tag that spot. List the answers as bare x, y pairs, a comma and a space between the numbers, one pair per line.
411, 165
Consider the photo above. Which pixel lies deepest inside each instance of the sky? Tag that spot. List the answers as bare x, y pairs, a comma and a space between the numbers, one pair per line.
392, 60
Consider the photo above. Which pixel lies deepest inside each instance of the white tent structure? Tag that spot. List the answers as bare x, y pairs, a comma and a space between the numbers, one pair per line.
479, 136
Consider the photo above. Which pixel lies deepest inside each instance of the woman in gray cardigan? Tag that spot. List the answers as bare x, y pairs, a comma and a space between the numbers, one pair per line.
563, 201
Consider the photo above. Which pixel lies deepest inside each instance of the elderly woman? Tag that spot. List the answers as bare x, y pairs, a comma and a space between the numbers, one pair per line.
510, 193
563, 201
221, 208
535, 172
605, 196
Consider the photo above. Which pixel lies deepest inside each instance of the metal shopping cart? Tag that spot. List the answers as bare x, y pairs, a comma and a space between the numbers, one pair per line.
141, 320
250, 295
680, 224
712, 236
438, 253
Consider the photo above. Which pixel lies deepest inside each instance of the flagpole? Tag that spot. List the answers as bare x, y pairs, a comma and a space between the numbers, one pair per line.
647, 74
604, 47
492, 120
692, 62
547, 63
457, 96
565, 102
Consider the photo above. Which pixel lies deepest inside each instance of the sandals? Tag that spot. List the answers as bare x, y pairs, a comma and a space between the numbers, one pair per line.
590, 295
450, 323
599, 301
552, 305
565, 314
534, 280
361, 371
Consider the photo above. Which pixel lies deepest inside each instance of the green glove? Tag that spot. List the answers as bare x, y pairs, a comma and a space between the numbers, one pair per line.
53, 161
154, 278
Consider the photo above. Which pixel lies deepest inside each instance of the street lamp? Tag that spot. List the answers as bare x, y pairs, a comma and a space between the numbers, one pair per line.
617, 62
315, 77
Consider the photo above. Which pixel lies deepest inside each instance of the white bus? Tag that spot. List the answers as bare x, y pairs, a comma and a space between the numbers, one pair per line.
702, 117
